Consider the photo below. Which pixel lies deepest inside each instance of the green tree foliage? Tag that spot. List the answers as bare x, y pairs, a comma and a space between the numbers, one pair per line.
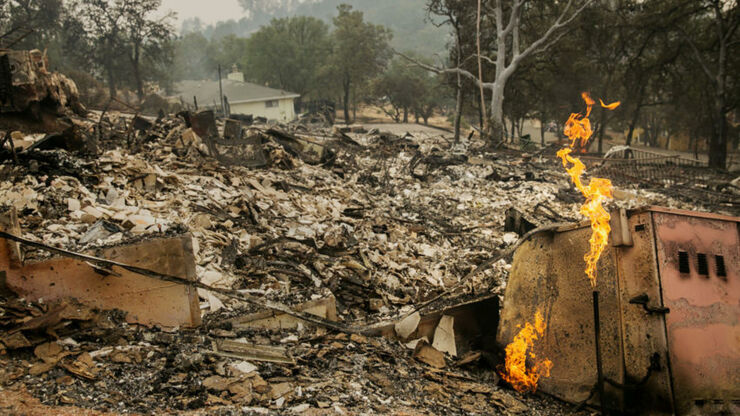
713, 40
43, 16
194, 57
404, 88
230, 50
396, 90
289, 54
122, 36
506, 39
433, 95
406, 19
672, 63
147, 40
361, 51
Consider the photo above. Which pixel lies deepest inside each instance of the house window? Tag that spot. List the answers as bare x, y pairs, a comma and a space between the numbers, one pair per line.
271, 103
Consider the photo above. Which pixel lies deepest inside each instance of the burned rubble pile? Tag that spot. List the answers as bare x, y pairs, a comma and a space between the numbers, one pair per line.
359, 226
99, 362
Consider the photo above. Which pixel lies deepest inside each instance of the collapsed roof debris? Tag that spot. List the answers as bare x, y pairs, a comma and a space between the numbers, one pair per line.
28, 86
358, 228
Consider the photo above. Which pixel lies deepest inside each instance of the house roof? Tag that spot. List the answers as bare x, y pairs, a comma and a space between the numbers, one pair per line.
237, 92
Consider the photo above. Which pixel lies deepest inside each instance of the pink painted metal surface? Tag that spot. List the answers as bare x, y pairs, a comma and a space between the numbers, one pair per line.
643, 334
683, 362
702, 325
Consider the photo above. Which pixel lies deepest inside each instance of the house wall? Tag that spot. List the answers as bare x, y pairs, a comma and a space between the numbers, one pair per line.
285, 111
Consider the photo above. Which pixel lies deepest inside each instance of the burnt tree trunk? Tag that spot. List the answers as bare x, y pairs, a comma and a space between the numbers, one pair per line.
543, 128
458, 85
458, 113
346, 85
602, 127
480, 115
111, 81
633, 123
718, 140
136, 66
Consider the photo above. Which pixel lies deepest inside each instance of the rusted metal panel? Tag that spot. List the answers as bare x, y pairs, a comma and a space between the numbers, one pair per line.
475, 323
686, 213
548, 274
643, 333
204, 123
146, 300
702, 326
620, 235
668, 282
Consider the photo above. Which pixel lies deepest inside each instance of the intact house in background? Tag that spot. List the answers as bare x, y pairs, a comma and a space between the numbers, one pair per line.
241, 97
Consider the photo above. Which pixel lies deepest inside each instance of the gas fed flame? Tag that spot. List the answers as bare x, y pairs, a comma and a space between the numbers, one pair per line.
515, 372
578, 130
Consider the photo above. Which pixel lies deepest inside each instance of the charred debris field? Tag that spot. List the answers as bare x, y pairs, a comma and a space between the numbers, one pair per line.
380, 236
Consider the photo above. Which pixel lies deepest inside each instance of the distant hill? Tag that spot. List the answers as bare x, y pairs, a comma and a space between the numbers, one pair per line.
406, 18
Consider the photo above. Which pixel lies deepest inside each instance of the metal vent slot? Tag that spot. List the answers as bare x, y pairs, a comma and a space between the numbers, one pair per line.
720, 261
683, 262
702, 266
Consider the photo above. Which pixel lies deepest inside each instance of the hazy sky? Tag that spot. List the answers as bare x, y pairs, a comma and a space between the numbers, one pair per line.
209, 11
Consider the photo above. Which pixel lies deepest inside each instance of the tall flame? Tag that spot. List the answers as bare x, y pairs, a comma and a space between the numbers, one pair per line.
598, 190
515, 372
578, 130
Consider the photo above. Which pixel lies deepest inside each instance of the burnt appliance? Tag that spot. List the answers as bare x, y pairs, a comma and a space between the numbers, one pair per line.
669, 290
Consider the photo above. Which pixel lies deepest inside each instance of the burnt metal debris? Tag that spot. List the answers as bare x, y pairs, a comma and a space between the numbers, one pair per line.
626, 165
663, 329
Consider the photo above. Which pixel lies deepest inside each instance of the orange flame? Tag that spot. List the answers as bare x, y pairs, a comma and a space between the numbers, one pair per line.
578, 127
611, 106
516, 373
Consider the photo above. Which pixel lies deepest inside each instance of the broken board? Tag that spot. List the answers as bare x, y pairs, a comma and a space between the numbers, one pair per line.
325, 308
146, 300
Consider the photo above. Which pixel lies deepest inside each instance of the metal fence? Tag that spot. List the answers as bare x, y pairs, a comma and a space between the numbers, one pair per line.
631, 164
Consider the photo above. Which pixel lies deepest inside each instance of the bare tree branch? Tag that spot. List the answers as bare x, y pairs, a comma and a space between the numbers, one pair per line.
731, 30
487, 59
697, 54
513, 18
559, 23
552, 41
480, 66
437, 70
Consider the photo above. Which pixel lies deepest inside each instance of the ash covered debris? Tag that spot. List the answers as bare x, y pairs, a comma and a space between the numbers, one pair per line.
289, 214
28, 87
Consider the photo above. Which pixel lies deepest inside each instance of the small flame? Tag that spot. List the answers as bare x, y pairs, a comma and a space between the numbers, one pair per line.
515, 372
598, 191
611, 106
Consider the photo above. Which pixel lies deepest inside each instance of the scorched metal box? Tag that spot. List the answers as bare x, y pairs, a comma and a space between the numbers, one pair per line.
669, 309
